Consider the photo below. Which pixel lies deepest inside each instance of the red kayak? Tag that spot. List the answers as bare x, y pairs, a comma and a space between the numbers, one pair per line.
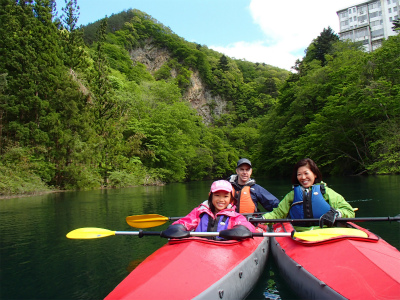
343, 267
197, 268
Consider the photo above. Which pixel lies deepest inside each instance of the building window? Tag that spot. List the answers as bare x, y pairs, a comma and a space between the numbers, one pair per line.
377, 33
376, 23
395, 8
350, 11
388, 1
390, 19
362, 18
361, 33
354, 9
346, 36
390, 10
376, 44
373, 15
374, 5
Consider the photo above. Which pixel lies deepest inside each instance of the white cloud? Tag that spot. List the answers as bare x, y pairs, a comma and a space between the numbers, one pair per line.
259, 52
289, 27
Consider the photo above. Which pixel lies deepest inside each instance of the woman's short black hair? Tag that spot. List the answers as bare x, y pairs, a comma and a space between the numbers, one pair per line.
311, 165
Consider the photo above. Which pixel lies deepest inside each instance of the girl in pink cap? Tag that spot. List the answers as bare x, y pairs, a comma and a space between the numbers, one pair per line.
213, 215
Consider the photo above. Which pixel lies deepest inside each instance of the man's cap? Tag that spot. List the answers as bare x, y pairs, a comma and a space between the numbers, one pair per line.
221, 185
243, 161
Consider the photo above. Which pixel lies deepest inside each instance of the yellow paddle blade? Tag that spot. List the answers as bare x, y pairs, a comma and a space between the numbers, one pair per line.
89, 233
327, 233
146, 221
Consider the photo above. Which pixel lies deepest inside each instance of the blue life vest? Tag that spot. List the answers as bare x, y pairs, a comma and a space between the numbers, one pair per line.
208, 224
311, 205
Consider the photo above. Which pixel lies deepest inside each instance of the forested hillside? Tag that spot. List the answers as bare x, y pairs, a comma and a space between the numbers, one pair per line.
125, 101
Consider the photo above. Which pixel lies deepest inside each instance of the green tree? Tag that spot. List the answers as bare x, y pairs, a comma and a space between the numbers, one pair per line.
223, 63
30, 57
3, 100
321, 46
72, 36
351, 125
105, 107
396, 24
171, 133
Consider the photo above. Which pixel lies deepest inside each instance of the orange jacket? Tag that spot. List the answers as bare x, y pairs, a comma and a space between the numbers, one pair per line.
244, 202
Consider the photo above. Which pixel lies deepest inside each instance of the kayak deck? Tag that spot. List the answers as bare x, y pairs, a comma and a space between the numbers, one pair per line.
344, 267
197, 268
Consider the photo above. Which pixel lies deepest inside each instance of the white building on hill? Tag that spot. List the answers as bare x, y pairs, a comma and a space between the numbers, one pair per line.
369, 22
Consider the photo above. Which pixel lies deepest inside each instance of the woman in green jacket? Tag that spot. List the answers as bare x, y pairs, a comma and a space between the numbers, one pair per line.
311, 198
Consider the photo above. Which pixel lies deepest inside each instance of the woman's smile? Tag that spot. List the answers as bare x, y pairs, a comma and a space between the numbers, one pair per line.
305, 176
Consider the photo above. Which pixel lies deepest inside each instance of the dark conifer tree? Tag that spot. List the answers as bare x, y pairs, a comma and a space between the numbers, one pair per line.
72, 36
223, 63
396, 25
31, 61
321, 45
104, 101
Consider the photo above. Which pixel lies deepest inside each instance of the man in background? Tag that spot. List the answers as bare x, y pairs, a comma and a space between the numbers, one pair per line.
247, 193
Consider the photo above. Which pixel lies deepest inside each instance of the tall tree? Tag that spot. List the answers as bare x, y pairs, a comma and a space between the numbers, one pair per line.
3, 99
223, 63
105, 106
72, 36
31, 60
321, 46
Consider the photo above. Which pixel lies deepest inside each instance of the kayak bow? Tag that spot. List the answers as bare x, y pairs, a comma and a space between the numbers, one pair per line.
342, 267
196, 268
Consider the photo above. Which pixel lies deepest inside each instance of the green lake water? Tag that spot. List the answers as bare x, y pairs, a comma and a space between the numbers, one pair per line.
37, 261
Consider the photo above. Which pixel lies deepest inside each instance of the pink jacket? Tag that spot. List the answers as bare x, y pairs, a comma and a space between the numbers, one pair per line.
192, 220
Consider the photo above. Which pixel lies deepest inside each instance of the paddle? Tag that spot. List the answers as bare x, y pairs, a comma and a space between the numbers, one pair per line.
311, 235
362, 219
154, 220
94, 233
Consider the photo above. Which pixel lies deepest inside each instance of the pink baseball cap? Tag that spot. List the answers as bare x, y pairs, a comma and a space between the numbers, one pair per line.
221, 185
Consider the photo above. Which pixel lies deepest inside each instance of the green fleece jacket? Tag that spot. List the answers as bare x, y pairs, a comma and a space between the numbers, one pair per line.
334, 199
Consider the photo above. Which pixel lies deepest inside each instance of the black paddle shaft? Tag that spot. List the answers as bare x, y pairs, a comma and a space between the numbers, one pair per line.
366, 219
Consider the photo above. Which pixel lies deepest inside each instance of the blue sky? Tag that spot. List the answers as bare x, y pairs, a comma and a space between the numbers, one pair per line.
274, 32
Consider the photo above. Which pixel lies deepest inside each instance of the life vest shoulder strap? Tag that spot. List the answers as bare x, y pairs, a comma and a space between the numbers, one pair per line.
212, 225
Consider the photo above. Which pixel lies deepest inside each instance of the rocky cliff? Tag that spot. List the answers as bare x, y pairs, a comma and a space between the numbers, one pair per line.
207, 105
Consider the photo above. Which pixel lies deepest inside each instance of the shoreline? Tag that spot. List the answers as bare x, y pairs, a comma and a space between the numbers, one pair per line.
4, 197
